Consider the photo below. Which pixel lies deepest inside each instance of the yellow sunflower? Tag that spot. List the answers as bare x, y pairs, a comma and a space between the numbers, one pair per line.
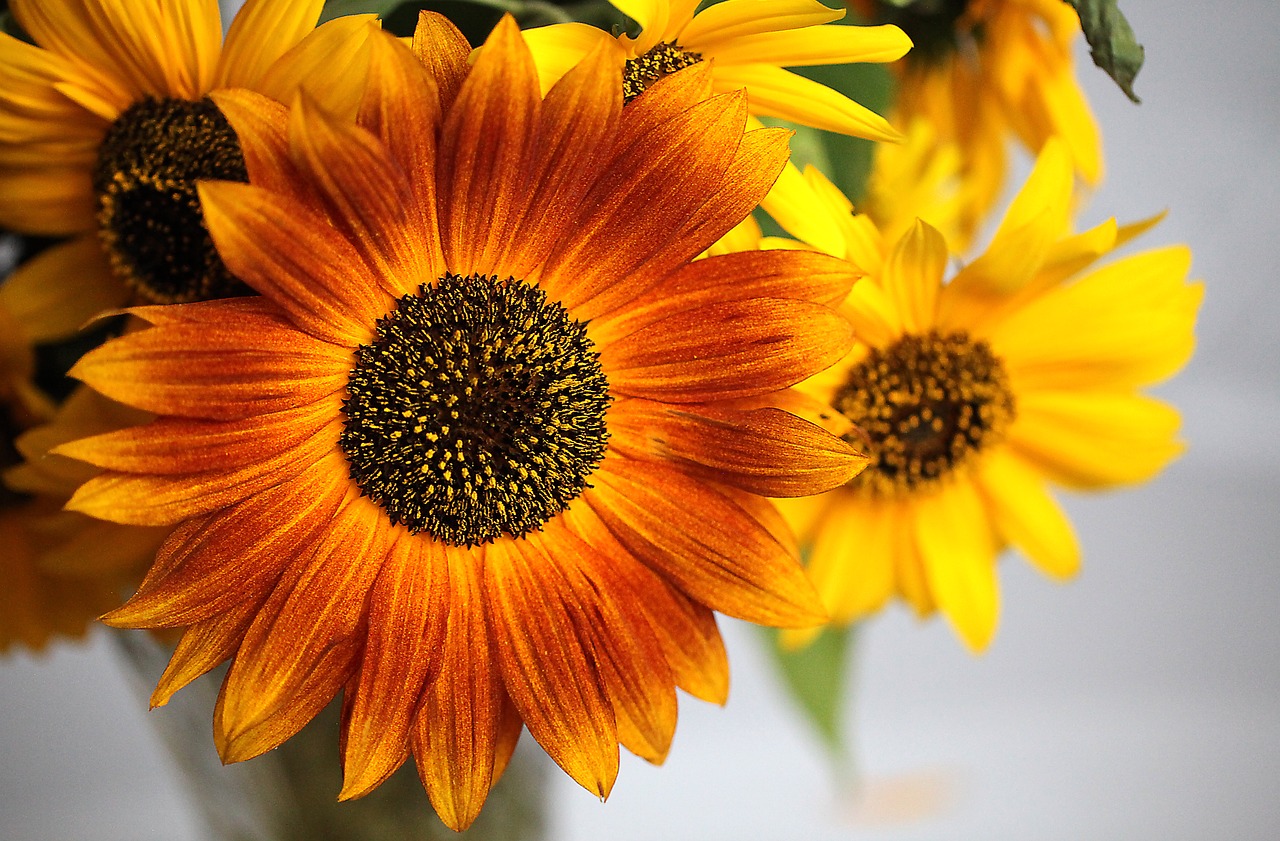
972, 396
490, 447
985, 71
747, 43
64, 569
106, 125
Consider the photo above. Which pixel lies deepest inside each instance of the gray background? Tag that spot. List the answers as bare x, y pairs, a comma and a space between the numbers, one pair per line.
1139, 702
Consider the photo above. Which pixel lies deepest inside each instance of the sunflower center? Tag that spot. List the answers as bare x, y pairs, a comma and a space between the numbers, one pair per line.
478, 410
926, 404
932, 25
661, 61
149, 216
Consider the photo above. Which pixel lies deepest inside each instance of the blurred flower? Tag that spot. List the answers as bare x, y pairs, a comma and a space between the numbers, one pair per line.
489, 449
105, 127
62, 569
747, 43
972, 396
983, 71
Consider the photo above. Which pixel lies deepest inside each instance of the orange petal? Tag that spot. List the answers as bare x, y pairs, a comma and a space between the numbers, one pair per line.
801, 275
576, 127
295, 258
767, 451
233, 556
727, 350
408, 614
704, 543
655, 185
204, 646
235, 369
401, 106
457, 735
262, 126
685, 629
632, 665
444, 51
303, 645
547, 665
180, 445
484, 153
365, 194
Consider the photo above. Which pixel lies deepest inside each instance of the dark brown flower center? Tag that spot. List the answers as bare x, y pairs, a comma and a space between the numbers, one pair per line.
927, 404
661, 61
149, 216
478, 410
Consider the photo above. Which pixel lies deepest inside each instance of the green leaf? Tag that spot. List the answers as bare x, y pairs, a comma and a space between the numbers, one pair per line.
339, 8
1111, 41
816, 677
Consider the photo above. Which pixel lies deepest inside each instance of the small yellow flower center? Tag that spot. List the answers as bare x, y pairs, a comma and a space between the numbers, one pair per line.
661, 61
149, 217
927, 405
478, 410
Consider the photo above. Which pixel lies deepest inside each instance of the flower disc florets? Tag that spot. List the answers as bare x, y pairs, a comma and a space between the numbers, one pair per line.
661, 61
478, 410
926, 403
149, 215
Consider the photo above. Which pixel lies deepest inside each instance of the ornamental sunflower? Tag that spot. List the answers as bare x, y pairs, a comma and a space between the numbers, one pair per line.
983, 71
106, 125
747, 43
490, 447
62, 569
972, 396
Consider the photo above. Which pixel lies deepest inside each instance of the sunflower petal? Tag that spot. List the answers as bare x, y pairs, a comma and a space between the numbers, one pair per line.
767, 451
408, 614
261, 32
303, 645
1027, 516
548, 667
776, 92
484, 153
444, 51
728, 350
457, 732
703, 543
959, 552
53, 294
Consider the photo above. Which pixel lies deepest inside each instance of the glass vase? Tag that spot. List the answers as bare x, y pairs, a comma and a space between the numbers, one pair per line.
290, 793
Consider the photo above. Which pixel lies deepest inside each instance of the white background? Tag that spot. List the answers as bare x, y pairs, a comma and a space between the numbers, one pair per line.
1140, 702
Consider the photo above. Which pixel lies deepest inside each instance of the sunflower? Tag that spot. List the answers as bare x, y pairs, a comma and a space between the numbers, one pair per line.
747, 43
985, 71
63, 569
490, 447
973, 396
106, 125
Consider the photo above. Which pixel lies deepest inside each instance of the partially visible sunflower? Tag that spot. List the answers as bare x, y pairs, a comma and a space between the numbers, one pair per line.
973, 396
106, 125
747, 43
62, 569
489, 448
985, 71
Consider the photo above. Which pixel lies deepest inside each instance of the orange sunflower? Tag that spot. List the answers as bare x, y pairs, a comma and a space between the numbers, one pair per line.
106, 125
491, 446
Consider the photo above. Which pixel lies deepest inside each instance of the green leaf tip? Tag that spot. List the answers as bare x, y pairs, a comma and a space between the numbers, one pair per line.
816, 676
1111, 41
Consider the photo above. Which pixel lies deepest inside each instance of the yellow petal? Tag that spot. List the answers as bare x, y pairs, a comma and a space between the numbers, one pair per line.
775, 92
263, 30
1027, 516
812, 46
913, 275
723, 22
1095, 440
959, 554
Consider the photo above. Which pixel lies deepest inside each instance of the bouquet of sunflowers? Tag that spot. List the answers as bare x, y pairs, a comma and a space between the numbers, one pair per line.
465, 367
